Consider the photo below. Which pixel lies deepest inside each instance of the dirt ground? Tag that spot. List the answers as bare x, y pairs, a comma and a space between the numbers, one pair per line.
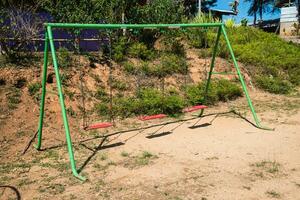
229, 159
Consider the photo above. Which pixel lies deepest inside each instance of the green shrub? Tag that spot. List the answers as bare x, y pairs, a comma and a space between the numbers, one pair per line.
227, 90
64, 58
33, 88
140, 50
119, 49
219, 90
274, 85
118, 85
102, 109
173, 45
101, 95
129, 68
172, 104
126, 106
150, 101
170, 64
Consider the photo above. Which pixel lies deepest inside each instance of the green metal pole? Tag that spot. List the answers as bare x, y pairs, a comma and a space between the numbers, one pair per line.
62, 104
212, 65
42, 105
241, 79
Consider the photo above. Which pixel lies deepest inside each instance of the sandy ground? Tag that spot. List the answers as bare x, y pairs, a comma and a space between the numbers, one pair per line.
229, 159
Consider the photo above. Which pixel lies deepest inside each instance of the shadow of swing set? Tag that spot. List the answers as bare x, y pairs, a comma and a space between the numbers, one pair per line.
49, 42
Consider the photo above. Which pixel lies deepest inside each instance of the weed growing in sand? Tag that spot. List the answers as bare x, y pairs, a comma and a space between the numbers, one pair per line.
266, 169
144, 158
13, 98
53, 189
273, 194
124, 154
34, 88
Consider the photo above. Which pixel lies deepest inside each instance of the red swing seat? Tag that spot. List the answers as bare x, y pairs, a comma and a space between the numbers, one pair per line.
150, 117
98, 126
194, 108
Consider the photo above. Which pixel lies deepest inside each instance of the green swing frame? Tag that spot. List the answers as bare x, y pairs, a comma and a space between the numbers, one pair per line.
49, 42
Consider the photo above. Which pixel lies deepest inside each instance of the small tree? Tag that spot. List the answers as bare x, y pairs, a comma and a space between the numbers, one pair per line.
18, 28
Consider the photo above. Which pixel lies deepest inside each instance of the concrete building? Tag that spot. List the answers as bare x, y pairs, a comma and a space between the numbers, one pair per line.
289, 18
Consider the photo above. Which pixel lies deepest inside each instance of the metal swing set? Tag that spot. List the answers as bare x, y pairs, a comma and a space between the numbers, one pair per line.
50, 46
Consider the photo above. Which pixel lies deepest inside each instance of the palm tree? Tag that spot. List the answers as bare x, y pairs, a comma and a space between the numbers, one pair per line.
259, 7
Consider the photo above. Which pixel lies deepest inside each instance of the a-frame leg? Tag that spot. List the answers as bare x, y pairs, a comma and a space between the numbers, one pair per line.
44, 81
62, 104
257, 122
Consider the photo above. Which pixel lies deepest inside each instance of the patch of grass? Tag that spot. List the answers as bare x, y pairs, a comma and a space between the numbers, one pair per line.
144, 158
103, 156
271, 56
52, 189
265, 169
9, 167
118, 85
274, 85
25, 181
65, 58
101, 95
71, 111
124, 154
273, 194
13, 98
69, 94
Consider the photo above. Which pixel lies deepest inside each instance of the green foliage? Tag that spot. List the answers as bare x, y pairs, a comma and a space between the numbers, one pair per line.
33, 88
119, 49
199, 37
170, 64
157, 12
101, 95
270, 54
274, 85
174, 45
205, 18
140, 50
219, 90
64, 58
244, 22
229, 23
13, 98
102, 109
152, 101
173, 104
118, 85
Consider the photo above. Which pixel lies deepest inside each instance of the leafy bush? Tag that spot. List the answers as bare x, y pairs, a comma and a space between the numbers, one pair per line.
170, 64
152, 101
219, 90
33, 88
172, 44
173, 104
102, 109
101, 95
64, 58
271, 55
140, 50
274, 85
119, 49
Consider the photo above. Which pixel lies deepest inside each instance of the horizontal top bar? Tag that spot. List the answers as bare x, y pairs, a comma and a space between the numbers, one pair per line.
129, 26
